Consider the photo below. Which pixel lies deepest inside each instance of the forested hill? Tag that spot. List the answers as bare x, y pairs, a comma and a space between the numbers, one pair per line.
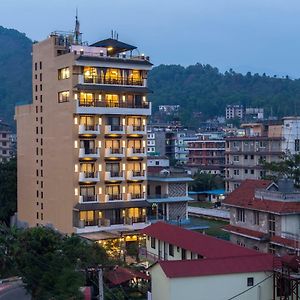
203, 88
197, 88
15, 71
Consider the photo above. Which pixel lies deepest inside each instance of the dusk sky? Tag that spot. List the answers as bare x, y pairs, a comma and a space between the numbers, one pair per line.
246, 35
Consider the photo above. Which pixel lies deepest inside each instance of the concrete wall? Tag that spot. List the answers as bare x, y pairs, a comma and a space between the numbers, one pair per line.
217, 287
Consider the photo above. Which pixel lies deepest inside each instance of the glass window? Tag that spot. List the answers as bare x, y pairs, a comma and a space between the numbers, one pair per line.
63, 96
171, 250
64, 73
153, 243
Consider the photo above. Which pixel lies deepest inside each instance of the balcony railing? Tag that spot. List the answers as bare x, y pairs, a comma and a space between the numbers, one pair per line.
139, 152
114, 152
135, 196
112, 175
114, 129
88, 198
132, 129
114, 197
89, 176
112, 104
89, 153
117, 80
136, 175
89, 129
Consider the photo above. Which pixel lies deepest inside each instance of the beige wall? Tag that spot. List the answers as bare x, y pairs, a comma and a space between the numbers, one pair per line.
217, 287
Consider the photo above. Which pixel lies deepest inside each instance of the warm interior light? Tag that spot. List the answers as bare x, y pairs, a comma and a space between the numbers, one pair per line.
76, 168
110, 48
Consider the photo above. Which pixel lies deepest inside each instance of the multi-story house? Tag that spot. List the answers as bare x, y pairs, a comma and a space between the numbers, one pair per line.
167, 192
234, 111
244, 155
260, 142
265, 216
207, 154
82, 142
5, 143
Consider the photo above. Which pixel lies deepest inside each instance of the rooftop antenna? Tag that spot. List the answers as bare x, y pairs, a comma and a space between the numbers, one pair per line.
77, 28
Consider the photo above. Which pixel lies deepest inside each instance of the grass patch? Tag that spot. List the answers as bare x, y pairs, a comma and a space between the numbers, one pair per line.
202, 204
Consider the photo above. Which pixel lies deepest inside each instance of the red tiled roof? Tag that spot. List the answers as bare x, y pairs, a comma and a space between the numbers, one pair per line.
294, 244
243, 197
217, 266
120, 275
243, 231
195, 242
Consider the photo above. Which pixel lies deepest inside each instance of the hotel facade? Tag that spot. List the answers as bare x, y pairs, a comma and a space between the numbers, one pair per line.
82, 158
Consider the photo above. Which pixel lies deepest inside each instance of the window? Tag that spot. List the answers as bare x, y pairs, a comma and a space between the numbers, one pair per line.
35, 66
40, 65
153, 243
256, 218
64, 73
252, 156
63, 96
250, 281
297, 145
241, 214
236, 172
252, 172
271, 219
183, 254
171, 250
246, 171
236, 158
41, 77
157, 163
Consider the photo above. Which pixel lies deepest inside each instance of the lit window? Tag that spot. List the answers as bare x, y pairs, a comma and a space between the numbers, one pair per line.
63, 96
64, 73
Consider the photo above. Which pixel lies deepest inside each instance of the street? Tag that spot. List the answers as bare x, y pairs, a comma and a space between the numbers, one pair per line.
13, 291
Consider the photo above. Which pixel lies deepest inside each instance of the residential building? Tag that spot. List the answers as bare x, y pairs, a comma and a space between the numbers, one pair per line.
157, 163
189, 264
213, 196
168, 109
6, 146
265, 216
167, 193
260, 142
82, 142
234, 112
254, 113
207, 153
151, 145
245, 154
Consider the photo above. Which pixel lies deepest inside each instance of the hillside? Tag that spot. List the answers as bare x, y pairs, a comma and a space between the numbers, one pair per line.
197, 88
203, 88
15, 71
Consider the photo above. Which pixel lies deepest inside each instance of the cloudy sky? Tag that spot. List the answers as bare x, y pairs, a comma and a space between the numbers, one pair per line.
246, 35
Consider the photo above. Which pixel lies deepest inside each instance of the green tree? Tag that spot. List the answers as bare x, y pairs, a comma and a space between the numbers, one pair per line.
288, 167
204, 182
8, 190
51, 264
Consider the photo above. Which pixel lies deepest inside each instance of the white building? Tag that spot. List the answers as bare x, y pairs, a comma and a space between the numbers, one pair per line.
234, 111
291, 135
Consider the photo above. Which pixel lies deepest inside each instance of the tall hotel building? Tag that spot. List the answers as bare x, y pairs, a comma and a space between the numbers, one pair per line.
82, 142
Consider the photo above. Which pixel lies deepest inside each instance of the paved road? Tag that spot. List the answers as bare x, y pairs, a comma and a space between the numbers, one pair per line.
210, 212
13, 291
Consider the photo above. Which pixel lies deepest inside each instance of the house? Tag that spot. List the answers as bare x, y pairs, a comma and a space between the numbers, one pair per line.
212, 196
193, 266
265, 216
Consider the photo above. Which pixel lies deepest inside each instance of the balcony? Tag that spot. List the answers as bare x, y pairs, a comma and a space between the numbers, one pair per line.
118, 80
89, 177
114, 152
136, 152
88, 198
131, 129
114, 129
89, 153
89, 129
136, 175
94, 106
135, 196
114, 197
114, 176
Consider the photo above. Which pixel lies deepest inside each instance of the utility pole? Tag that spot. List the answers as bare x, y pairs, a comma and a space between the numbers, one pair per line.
100, 282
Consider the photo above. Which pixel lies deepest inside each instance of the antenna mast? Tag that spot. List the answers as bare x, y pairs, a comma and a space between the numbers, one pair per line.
77, 28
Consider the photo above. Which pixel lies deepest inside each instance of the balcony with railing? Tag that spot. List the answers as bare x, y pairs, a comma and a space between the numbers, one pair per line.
136, 152
89, 153
114, 129
89, 177
114, 152
114, 176
95, 106
116, 80
88, 198
114, 197
136, 175
133, 129
89, 129
135, 196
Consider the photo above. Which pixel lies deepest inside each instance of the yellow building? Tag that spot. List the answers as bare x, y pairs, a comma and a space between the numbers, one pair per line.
82, 142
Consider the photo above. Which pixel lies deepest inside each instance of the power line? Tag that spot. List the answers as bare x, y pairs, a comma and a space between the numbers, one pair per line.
250, 288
